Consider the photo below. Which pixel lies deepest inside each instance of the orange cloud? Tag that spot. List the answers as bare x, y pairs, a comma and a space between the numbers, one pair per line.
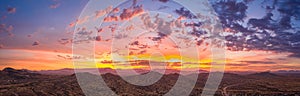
111, 18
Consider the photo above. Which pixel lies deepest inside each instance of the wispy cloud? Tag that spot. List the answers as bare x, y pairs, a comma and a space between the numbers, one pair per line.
54, 6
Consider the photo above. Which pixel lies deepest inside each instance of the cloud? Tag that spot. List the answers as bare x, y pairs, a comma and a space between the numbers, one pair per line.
1, 46
11, 10
164, 1
234, 64
99, 29
54, 6
135, 43
7, 29
65, 41
98, 38
108, 62
140, 62
174, 64
160, 25
258, 62
111, 18
29, 36
36, 43
3, 17
142, 52
131, 12
162, 7
66, 57
272, 32
126, 14
120, 36
185, 13
79, 21
100, 13
295, 55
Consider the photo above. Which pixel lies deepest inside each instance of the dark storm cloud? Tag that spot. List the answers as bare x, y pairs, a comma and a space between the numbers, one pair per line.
263, 33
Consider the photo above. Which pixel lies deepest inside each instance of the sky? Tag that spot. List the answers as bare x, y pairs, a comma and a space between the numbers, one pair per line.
257, 35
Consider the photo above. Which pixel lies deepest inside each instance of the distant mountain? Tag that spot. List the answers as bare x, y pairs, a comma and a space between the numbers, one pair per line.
65, 71
292, 73
126, 72
266, 73
287, 71
241, 72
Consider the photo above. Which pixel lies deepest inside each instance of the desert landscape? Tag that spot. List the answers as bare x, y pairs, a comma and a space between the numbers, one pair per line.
149, 47
24, 83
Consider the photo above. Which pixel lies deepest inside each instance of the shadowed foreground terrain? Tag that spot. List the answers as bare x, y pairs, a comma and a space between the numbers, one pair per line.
24, 82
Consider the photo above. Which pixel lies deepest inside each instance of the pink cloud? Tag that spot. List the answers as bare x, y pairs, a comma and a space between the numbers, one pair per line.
79, 21
131, 12
126, 14
111, 18
99, 29
103, 12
